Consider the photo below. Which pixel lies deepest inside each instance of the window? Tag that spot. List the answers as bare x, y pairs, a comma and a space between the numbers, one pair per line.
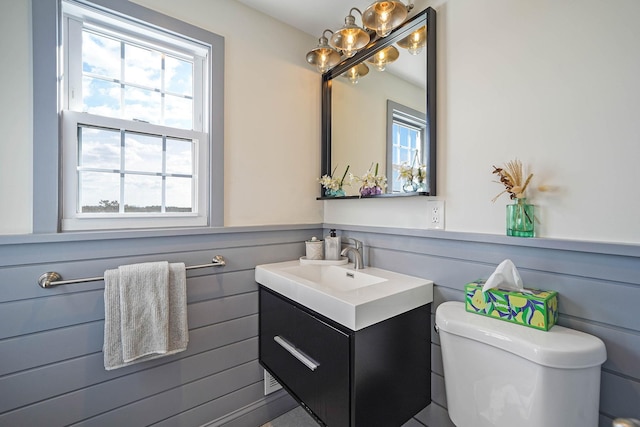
140, 118
406, 140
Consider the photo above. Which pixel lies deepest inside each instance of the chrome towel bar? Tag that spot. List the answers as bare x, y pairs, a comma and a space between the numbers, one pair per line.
51, 278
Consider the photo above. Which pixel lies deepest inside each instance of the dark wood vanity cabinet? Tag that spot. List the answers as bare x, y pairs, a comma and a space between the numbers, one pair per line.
376, 376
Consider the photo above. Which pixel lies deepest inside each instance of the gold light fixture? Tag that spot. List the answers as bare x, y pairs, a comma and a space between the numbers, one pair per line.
324, 57
384, 16
354, 73
350, 38
415, 41
381, 17
384, 57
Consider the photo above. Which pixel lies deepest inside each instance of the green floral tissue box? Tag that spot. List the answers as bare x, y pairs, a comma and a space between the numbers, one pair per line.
533, 308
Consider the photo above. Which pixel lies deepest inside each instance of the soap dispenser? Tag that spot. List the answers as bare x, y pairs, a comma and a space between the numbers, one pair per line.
332, 246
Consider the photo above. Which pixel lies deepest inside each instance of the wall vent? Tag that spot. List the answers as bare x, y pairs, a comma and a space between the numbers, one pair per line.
270, 383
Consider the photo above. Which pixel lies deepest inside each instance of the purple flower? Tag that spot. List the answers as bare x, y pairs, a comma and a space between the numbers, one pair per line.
370, 191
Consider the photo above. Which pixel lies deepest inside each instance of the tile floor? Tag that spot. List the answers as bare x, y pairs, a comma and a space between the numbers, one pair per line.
295, 418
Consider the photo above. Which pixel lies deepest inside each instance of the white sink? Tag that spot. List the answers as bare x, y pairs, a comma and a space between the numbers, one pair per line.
353, 298
334, 277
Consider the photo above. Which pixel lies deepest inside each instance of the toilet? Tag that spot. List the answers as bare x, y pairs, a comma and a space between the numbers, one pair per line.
501, 374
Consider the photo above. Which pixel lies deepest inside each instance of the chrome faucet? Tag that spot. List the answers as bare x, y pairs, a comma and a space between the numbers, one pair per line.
356, 249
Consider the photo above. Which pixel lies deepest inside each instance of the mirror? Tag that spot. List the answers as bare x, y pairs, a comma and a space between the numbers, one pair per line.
357, 119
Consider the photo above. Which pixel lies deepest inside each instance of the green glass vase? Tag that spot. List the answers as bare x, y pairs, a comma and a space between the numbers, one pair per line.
410, 186
520, 222
335, 193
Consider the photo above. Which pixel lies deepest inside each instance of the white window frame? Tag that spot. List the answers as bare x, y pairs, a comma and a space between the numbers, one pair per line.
73, 220
77, 17
48, 86
405, 116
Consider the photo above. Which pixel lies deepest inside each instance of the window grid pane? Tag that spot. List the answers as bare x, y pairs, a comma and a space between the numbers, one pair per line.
100, 55
143, 193
142, 67
143, 153
126, 80
99, 192
178, 76
126, 172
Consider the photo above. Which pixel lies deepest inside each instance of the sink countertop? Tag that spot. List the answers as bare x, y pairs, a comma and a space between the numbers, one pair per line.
367, 296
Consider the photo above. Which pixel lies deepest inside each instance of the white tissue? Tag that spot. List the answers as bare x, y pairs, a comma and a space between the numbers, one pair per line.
505, 277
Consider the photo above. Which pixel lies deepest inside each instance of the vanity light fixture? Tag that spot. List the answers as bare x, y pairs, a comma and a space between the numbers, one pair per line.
381, 17
350, 38
384, 16
415, 41
354, 73
324, 57
384, 57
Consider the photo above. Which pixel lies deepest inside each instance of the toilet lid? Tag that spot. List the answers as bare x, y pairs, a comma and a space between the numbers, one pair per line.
558, 347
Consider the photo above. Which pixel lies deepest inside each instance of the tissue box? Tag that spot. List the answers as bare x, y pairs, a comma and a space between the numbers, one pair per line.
536, 308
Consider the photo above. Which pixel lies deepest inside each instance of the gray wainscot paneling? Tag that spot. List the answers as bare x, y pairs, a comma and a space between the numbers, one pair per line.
598, 285
51, 361
51, 370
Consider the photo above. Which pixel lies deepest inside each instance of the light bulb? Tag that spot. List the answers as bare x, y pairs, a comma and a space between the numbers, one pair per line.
383, 29
380, 61
353, 76
415, 49
384, 57
322, 63
349, 44
382, 18
354, 73
350, 39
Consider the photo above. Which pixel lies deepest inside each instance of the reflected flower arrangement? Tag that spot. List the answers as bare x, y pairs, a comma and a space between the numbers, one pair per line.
333, 186
412, 175
372, 183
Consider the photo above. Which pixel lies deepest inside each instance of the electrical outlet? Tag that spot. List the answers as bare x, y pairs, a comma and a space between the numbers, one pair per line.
435, 214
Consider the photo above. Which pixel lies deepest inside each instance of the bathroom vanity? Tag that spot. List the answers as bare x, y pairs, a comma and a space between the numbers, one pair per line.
371, 366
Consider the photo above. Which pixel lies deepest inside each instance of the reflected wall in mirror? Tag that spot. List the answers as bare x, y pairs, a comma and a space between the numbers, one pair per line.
360, 123
358, 119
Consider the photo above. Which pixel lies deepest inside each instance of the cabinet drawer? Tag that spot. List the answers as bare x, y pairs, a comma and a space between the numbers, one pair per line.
307, 355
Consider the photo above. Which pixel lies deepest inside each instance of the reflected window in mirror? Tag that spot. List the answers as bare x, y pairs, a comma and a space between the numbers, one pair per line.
406, 136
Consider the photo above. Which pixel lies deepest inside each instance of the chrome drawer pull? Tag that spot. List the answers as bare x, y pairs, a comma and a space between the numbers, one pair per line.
626, 422
308, 362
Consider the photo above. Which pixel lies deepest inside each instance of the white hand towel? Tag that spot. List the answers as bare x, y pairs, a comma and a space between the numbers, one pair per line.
145, 313
178, 327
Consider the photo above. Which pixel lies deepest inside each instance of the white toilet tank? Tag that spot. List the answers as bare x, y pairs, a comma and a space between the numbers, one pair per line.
501, 374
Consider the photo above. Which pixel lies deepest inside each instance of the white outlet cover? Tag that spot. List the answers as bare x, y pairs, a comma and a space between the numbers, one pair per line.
435, 214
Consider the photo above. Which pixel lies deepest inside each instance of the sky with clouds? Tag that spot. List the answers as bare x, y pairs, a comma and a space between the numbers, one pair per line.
133, 89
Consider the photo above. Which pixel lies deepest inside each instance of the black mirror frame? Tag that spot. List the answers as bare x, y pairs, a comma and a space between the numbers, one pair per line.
426, 17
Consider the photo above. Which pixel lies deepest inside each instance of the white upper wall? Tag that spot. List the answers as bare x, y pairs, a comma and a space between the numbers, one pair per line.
16, 148
272, 114
553, 83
